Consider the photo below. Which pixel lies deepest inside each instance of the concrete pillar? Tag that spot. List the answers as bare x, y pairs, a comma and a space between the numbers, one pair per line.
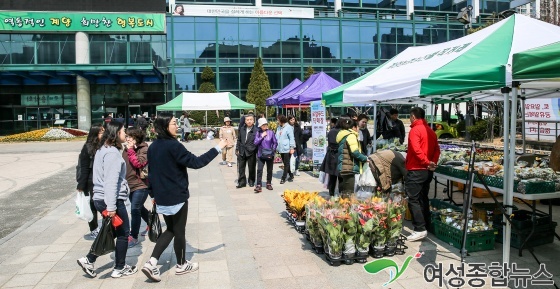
409, 8
337, 6
475, 11
82, 84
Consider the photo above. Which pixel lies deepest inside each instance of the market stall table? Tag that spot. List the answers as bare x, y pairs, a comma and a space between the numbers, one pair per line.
523, 197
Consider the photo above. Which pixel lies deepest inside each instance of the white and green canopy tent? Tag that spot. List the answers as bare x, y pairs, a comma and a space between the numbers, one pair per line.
476, 62
205, 101
538, 63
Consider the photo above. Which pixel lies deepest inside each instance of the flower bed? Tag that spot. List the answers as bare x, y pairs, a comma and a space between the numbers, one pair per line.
44, 134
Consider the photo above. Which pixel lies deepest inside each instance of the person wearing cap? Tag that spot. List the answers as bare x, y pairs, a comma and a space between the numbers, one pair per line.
227, 133
266, 143
245, 152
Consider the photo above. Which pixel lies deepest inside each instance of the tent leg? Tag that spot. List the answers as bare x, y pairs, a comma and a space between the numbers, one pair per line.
508, 199
206, 119
375, 127
523, 122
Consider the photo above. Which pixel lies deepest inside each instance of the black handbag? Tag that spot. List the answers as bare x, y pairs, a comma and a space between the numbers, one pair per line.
154, 225
267, 155
104, 243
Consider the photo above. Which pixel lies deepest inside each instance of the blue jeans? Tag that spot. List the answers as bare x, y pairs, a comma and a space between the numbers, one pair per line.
121, 232
138, 211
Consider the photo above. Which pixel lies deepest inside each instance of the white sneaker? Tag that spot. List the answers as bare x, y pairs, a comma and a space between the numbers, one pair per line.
186, 268
151, 271
127, 270
87, 266
417, 236
93, 234
297, 173
229, 165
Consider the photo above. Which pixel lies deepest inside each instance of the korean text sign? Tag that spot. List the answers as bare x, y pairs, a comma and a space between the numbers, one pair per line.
319, 131
86, 22
537, 113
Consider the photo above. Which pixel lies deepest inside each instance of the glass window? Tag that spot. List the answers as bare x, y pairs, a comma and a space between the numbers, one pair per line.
312, 30
249, 32
270, 32
205, 31
350, 51
330, 50
229, 81
228, 32
367, 51
140, 52
185, 49
330, 33
184, 31
290, 32
205, 50
270, 49
368, 32
249, 50
350, 32
116, 52
23, 52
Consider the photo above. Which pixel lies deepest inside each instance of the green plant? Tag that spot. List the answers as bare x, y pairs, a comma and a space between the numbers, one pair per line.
259, 88
207, 85
310, 71
479, 130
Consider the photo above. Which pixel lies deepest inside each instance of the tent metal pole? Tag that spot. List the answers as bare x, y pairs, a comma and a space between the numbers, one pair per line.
206, 119
507, 190
508, 198
374, 127
523, 122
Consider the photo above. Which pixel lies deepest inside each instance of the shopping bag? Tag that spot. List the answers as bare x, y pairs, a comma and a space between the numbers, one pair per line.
322, 177
155, 225
366, 178
104, 243
293, 164
83, 210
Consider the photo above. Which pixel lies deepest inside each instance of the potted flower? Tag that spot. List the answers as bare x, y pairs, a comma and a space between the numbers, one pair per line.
379, 233
395, 210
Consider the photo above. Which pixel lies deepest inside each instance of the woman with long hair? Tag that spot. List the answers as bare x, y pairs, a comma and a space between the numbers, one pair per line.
286, 145
136, 157
85, 178
169, 182
179, 10
110, 190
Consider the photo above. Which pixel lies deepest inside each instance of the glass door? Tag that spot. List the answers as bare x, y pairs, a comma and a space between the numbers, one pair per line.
38, 118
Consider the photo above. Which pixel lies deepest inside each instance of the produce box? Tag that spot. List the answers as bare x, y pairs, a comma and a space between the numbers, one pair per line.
482, 193
476, 241
543, 234
436, 205
487, 211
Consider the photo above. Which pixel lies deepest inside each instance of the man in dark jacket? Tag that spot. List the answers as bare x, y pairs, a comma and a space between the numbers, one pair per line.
141, 122
398, 125
245, 152
365, 136
421, 159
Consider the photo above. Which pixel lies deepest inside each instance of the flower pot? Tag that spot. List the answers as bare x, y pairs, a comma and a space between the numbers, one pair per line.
333, 253
390, 249
362, 252
378, 251
349, 248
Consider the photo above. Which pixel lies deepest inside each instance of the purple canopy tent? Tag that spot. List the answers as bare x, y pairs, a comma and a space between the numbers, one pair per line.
311, 90
272, 100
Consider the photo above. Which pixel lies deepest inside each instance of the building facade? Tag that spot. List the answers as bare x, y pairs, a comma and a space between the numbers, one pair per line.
69, 63
345, 45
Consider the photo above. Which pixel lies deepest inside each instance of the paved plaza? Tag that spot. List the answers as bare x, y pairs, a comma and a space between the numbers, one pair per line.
240, 239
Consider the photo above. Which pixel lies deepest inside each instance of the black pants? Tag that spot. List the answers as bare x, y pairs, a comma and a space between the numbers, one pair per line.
417, 187
175, 229
251, 162
286, 161
93, 224
346, 186
121, 232
269, 164
332, 183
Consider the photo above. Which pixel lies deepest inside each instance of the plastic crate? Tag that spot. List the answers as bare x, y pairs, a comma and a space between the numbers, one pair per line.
522, 219
529, 188
441, 204
476, 241
543, 234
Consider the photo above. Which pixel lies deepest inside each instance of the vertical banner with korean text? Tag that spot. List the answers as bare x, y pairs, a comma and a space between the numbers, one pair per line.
319, 132
541, 116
